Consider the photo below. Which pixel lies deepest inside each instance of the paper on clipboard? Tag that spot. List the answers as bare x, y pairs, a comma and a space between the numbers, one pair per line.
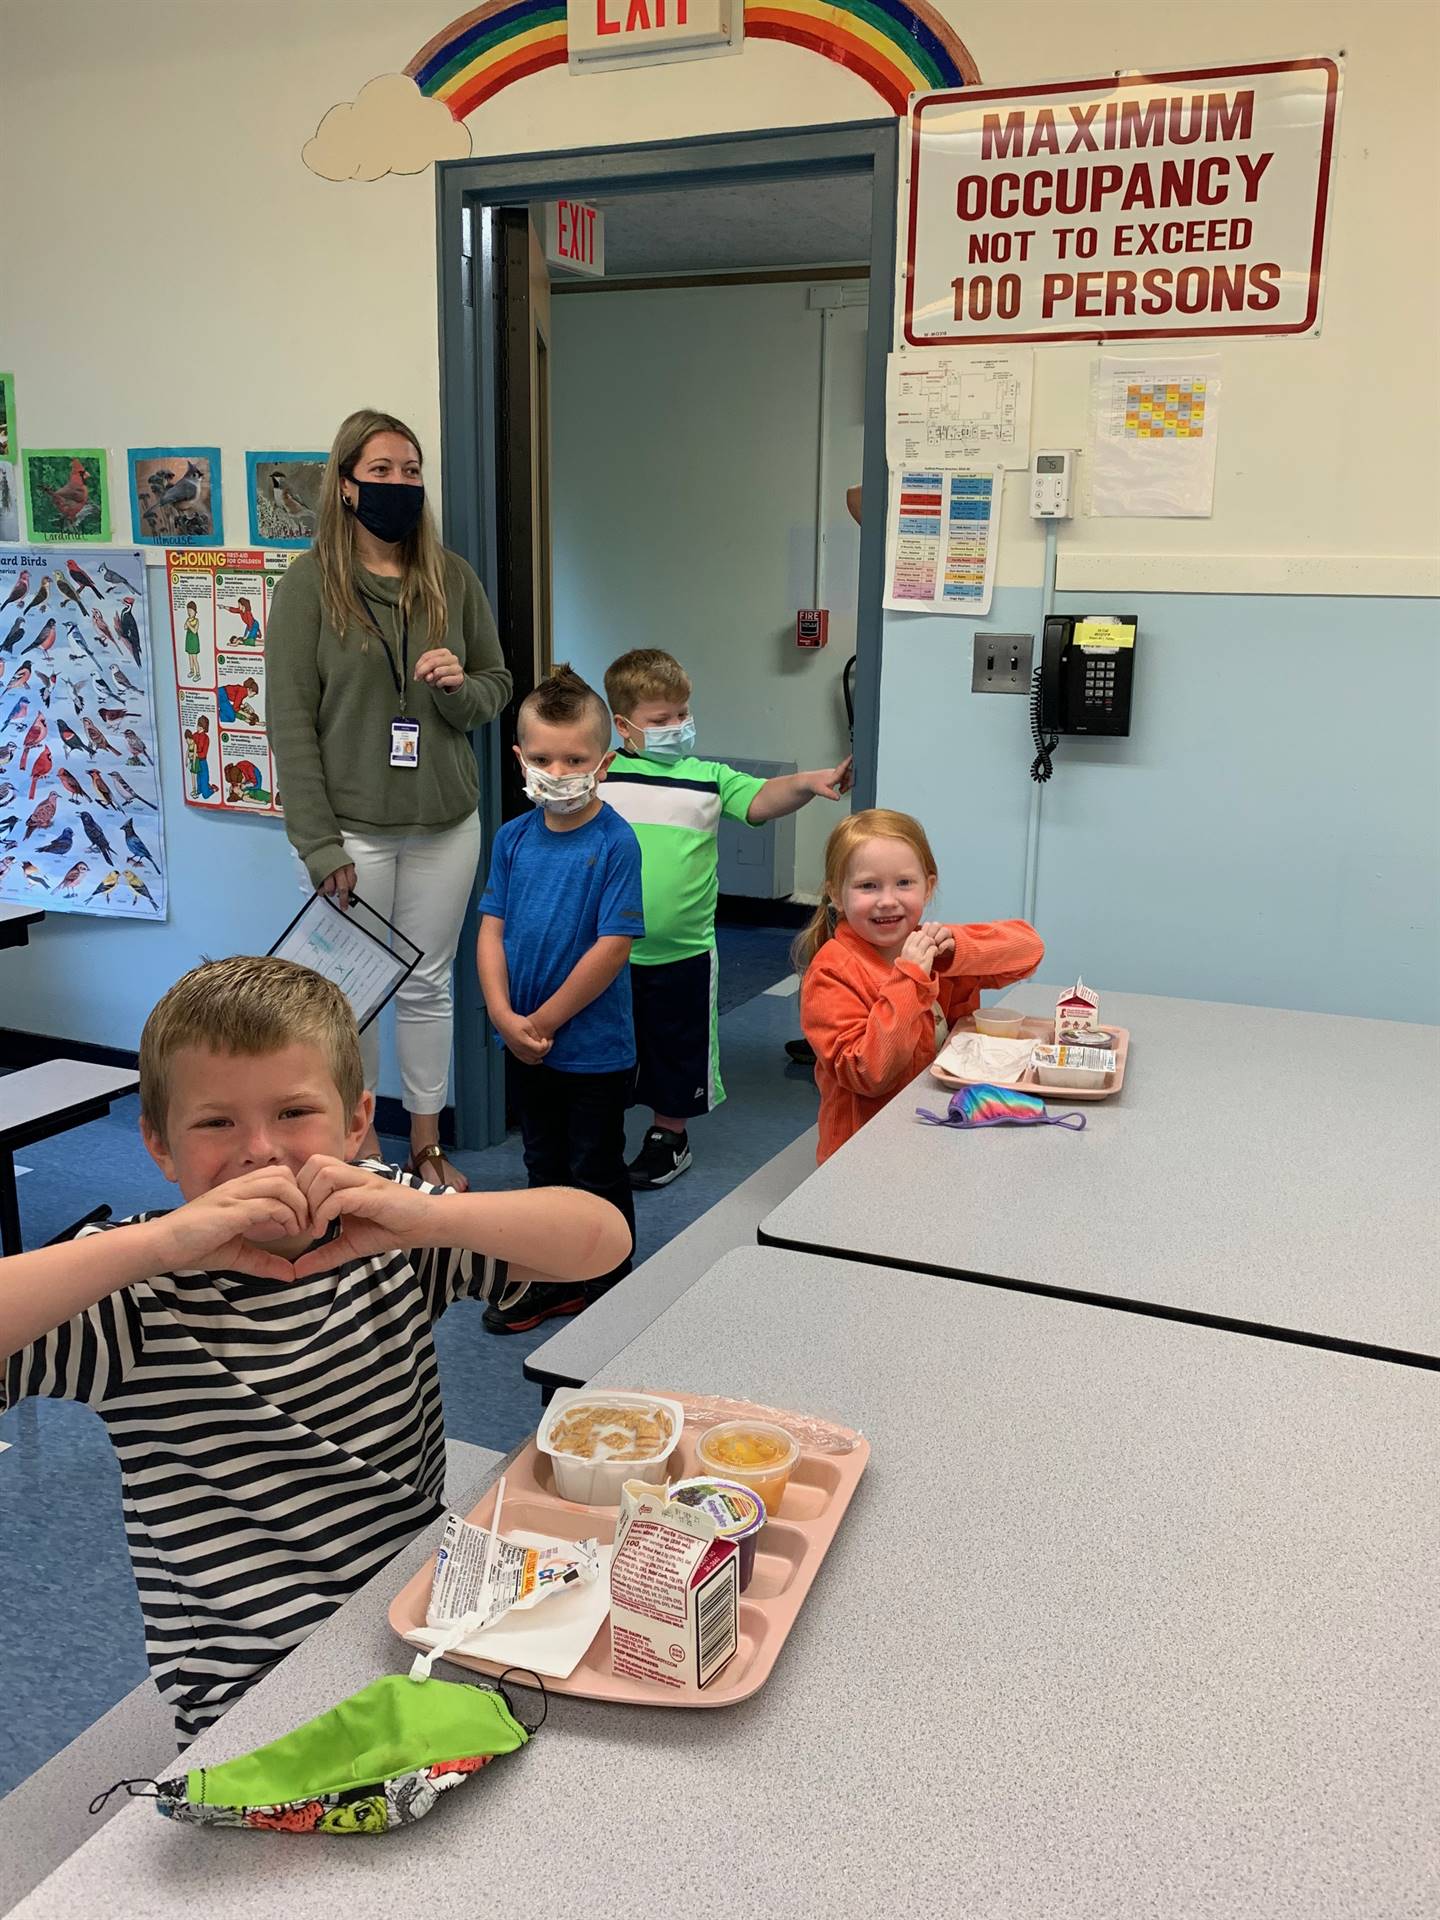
362, 963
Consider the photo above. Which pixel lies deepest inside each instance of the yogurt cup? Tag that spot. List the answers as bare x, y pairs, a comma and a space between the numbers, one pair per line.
754, 1452
738, 1513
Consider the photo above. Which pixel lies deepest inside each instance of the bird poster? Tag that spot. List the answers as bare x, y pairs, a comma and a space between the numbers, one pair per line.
80, 828
67, 493
175, 496
219, 610
284, 491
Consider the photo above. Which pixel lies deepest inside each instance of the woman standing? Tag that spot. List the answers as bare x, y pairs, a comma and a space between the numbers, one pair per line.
382, 655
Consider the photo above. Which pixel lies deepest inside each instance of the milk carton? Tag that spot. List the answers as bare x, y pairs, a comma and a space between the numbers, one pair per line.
674, 1592
1076, 1013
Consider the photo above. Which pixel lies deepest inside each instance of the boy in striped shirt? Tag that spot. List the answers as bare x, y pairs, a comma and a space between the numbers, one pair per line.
675, 804
262, 1356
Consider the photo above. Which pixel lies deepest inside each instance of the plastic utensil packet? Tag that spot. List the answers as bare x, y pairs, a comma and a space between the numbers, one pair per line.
519, 1577
806, 1429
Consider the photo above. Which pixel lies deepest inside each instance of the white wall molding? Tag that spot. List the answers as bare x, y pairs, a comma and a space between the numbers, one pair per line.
1379, 576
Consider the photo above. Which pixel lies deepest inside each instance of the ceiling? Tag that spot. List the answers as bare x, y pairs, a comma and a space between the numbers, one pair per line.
781, 223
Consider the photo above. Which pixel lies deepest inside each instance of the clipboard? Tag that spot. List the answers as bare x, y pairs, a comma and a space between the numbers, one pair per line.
367, 966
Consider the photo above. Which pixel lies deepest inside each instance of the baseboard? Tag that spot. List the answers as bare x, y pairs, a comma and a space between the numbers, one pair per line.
391, 1118
20, 1049
739, 910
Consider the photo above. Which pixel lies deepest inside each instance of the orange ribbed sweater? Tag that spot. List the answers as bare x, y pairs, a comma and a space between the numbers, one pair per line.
871, 1020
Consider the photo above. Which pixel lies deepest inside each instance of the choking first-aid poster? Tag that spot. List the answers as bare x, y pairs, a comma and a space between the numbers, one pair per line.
219, 611
1141, 206
80, 827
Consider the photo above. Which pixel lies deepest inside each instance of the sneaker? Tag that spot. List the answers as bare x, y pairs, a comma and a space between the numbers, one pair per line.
663, 1158
801, 1052
525, 1307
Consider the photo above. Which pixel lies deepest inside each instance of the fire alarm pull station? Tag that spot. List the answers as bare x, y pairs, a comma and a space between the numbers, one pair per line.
812, 627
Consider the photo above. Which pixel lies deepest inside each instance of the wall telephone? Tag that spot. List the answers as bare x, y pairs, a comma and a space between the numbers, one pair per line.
1084, 681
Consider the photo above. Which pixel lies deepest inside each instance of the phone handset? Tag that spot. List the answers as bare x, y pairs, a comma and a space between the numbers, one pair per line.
1045, 699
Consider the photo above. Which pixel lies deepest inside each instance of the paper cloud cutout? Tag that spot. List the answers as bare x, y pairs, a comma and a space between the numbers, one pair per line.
390, 127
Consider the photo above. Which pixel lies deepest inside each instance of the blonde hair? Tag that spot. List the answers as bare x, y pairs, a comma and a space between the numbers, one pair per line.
249, 1005
563, 699
422, 558
872, 823
644, 674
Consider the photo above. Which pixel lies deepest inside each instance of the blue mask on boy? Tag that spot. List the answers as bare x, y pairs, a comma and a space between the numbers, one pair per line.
669, 743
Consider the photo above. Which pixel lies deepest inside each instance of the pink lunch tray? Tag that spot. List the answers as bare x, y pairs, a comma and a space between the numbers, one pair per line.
787, 1558
1034, 1028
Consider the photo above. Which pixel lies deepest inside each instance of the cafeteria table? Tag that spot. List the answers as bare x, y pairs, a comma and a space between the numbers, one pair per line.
1127, 1616
1259, 1168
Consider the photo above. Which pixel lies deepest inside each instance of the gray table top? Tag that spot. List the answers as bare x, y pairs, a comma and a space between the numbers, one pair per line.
1128, 1617
1258, 1166
34, 1093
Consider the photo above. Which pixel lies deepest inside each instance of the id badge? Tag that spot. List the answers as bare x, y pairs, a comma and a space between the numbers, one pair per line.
404, 743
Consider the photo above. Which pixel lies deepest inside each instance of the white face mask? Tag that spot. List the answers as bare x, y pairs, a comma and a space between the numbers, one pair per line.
668, 743
558, 793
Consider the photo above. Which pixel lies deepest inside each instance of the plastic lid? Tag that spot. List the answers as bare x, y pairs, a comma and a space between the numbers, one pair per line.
737, 1511
772, 1448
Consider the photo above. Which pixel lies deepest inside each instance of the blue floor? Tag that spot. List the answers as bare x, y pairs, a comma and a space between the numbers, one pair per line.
74, 1643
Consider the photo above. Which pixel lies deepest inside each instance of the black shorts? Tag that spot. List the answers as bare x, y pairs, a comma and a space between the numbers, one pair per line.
677, 1041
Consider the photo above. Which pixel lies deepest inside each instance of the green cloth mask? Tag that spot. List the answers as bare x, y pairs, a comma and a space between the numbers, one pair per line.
379, 1760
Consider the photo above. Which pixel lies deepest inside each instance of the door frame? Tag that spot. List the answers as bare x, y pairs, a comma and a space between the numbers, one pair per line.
465, 191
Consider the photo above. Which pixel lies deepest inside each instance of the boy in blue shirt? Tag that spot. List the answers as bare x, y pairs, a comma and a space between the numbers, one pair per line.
560, 910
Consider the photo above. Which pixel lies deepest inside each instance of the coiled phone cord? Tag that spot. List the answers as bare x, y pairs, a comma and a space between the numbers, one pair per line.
1045, 743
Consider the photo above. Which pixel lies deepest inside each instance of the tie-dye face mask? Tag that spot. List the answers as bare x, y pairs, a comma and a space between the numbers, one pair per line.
999, 1107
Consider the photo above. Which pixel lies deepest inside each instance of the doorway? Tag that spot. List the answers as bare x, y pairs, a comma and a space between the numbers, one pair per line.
494, 483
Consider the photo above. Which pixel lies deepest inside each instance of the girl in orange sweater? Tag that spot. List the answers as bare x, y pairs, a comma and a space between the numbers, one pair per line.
877, 974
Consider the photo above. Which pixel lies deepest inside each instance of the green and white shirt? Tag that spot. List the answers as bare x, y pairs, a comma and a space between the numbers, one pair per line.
675, 807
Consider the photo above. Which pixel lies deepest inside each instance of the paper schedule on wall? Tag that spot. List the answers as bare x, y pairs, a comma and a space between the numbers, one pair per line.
942, 535
80, 826
219, 611
1155, 426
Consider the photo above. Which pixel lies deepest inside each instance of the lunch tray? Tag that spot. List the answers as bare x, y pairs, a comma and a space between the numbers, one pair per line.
1034, 1028
787, 1558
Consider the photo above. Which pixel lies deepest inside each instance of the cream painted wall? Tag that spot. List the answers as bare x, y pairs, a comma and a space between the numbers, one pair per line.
230, 296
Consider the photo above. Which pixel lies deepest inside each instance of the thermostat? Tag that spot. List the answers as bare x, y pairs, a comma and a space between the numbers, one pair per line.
1050, 484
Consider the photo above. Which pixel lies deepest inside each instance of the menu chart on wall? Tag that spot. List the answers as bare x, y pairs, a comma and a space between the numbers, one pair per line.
942, 536
80, 827
219, 610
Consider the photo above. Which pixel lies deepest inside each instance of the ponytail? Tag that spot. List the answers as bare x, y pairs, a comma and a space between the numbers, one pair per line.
812, 936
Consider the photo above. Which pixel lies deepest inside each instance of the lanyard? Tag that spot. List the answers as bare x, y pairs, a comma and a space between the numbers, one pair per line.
401, 673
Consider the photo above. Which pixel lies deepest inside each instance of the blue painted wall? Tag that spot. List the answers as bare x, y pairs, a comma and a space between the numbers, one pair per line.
1269, 833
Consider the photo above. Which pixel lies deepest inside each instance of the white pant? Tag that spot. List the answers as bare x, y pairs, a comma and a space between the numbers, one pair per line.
421, 883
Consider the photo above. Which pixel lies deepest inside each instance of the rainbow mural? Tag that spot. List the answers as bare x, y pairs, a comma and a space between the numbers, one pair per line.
898, 48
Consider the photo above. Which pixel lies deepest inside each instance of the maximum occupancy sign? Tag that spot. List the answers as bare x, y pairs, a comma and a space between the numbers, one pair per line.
1141, 206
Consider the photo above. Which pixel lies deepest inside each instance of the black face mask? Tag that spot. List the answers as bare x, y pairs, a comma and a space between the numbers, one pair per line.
388, 509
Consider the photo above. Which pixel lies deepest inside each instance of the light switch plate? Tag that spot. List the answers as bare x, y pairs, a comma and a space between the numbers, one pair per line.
1003, 663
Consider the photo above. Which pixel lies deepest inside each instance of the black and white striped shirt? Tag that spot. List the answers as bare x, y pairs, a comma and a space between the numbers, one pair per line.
278, 1444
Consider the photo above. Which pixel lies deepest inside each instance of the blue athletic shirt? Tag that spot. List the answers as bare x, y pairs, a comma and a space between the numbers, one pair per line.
558, 893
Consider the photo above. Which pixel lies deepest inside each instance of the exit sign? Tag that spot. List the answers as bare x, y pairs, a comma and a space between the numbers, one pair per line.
633, 33
575, 237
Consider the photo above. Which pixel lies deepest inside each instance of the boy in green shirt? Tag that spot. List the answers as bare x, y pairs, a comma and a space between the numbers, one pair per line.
675, 804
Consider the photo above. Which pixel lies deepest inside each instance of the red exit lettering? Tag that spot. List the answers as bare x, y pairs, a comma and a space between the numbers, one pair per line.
575, 232
641, 16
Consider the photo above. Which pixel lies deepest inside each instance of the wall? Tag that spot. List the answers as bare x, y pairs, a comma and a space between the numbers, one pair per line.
684, 456
175, 273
